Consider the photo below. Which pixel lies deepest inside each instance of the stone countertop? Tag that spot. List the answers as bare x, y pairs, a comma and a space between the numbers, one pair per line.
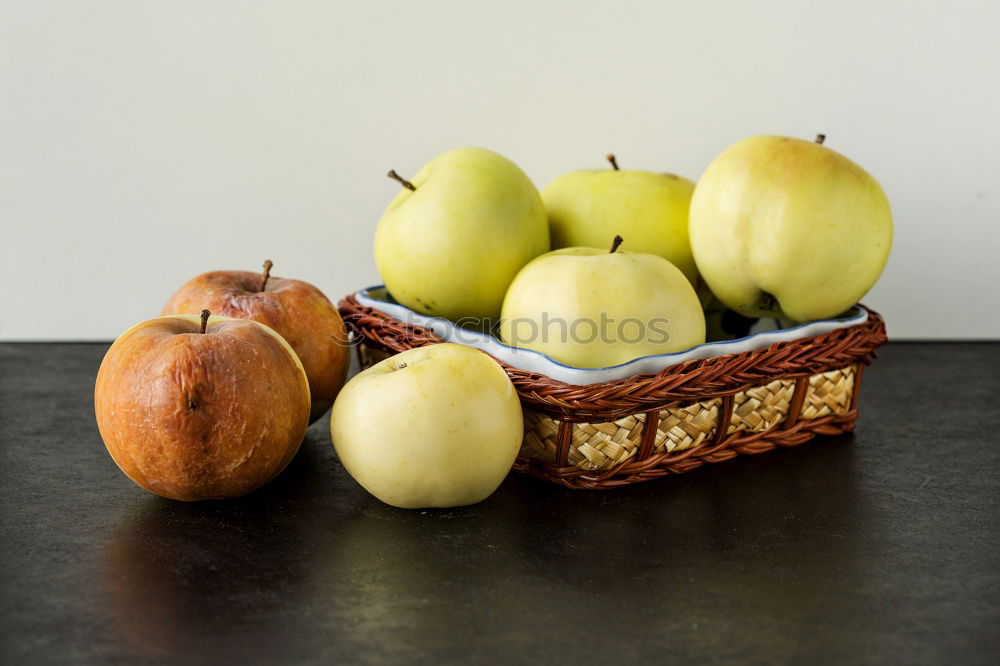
882, 546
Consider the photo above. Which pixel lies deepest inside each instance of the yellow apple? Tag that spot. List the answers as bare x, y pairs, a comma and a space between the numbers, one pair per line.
458, 232
787, 227
435, 426
590, 308
589, 206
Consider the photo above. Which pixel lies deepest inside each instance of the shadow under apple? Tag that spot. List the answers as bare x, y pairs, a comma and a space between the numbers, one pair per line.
179, 578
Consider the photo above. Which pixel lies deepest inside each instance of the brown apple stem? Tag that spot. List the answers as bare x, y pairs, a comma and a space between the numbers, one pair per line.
615, 243
402, 181
205, 314
267, 273
820, 138
611, 158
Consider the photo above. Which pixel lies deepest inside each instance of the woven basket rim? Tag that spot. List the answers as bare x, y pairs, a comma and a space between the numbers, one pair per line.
683, 382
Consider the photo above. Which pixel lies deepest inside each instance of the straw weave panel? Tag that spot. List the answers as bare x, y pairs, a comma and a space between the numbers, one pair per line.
540, 436
605, 445
761, 407
602, 446
684, 427
829, 393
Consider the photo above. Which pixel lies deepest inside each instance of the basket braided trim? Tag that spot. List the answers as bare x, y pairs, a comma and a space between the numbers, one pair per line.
680, 384
602, 435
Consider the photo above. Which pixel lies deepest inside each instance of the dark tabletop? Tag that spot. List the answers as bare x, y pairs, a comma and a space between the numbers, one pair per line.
883, 546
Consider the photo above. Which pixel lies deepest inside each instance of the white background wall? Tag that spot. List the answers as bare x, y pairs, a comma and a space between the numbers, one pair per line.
142, 143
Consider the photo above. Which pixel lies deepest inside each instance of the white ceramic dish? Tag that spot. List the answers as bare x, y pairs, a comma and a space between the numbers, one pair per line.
532, 361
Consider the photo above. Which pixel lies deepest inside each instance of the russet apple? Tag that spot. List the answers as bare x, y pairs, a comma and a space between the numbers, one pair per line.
458, 232
591, 308
207, 408
589, 206
784, 227
435, 426
297, 310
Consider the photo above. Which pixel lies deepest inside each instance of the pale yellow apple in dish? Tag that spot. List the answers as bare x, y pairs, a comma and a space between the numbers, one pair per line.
435, 426
591, 308
458, 232
789, 228
590, 206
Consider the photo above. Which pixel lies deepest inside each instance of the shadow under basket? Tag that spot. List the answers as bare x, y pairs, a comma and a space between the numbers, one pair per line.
615, 433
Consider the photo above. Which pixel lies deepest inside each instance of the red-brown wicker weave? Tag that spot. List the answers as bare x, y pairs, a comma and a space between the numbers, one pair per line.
721, 377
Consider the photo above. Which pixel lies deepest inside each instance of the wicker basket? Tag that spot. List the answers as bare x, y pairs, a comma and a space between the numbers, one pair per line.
647, 426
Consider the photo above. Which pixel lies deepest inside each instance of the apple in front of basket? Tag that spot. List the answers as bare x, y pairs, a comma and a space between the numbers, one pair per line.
201, 408
592, 308
436, 426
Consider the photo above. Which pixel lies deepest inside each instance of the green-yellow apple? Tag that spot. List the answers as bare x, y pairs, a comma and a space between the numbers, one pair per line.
588, 207
201, 408
434, 426
458, 232
297, 310
590, 308
787, 227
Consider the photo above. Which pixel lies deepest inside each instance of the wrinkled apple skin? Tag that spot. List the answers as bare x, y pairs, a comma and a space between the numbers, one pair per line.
435, 426
451, 248
297, 310
650, 210
580, 284
789, 228
193, 416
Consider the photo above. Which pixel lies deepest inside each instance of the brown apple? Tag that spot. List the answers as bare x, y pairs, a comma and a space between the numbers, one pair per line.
201, 408
295, 309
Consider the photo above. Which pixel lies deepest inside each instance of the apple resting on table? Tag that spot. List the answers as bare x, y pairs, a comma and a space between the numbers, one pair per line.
589, 206
201, 408
591, 308
297, 310
435, 426
457, 233
784, 227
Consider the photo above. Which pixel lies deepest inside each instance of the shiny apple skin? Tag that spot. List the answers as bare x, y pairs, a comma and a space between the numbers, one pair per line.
193, 416
437, 426
297, 310
587, 208
782, 227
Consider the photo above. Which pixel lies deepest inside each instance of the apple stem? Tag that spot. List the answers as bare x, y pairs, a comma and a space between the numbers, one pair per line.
615, 243
611, 158
402, 181
267, 273
820, 138
205, 314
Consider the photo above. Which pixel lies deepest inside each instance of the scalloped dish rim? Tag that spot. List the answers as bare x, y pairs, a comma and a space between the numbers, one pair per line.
533, 361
